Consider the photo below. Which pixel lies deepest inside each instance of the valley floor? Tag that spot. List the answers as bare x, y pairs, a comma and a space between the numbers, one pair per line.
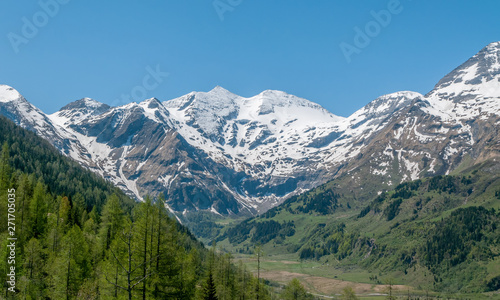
327, 281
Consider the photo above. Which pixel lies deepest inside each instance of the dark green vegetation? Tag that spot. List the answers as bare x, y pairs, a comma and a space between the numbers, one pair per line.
78, 237
440, 233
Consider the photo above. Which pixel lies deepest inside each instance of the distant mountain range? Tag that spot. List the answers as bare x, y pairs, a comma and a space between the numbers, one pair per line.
219, 152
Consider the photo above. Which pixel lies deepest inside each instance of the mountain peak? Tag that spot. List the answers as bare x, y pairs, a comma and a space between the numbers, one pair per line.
489, 57
217, 98
275, 94
400, 94
268, 100
87, 103
78, 111
8, 93
479, 75
218, 90
382, 107
151, 103
494, 45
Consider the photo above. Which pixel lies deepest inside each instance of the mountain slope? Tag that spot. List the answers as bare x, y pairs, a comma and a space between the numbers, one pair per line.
15, 107
231, 155
438, 233
134, 147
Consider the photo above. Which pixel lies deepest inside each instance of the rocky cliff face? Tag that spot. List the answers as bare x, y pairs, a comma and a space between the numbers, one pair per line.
220, 152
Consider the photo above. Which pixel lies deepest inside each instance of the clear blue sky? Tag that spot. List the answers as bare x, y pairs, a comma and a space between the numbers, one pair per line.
101, 49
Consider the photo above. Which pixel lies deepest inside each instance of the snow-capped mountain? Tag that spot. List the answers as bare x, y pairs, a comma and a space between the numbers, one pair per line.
265, 135
79, 111
135, 147
456, 124
220, 152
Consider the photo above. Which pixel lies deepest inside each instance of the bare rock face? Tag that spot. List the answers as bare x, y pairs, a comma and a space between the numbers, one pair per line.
230, 155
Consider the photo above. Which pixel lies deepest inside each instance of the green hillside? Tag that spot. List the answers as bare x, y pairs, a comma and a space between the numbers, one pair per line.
440, 233
68, 234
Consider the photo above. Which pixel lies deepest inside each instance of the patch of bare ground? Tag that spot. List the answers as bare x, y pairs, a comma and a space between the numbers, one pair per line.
328, 286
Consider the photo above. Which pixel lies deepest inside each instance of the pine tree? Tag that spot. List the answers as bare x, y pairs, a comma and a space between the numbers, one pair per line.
159, 208
174, 269
390, 289
348, 294
70, 266
5, 168
126, 261
78, 209
5, 171
38, 210
143, 222
32, 281
24, 193
295, 291
258, 253
64, 212
112, 221
210, 291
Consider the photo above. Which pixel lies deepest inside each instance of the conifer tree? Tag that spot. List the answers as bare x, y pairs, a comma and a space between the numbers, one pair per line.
32, 279
5, 168
348, 294
112, 221
143, 224
38, 210
124, 257
295, 291
23, 193
210, 291
70, 266
258, 254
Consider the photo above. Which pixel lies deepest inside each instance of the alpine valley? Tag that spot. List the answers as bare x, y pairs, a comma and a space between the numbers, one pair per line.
217, 155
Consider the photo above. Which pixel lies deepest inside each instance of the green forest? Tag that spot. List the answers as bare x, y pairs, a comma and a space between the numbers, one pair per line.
78, 237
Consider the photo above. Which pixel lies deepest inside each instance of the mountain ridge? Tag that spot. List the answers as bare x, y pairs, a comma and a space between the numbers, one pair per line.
234, 155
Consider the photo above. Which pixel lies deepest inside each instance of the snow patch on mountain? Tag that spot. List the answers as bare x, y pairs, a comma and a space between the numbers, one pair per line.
8, 94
